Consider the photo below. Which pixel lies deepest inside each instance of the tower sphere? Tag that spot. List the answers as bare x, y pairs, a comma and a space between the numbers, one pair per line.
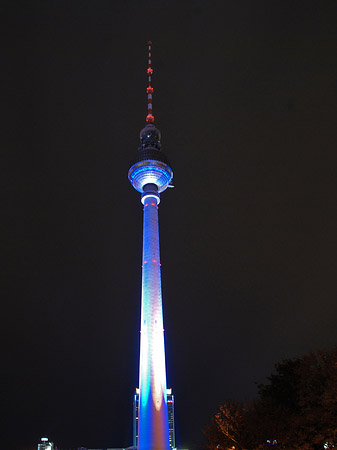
150, 135
150, 165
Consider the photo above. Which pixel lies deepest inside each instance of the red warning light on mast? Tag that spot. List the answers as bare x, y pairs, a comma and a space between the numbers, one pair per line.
149, 89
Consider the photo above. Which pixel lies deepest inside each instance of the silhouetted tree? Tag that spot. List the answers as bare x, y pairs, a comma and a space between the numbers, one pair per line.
215, 438
297, 407
232, 422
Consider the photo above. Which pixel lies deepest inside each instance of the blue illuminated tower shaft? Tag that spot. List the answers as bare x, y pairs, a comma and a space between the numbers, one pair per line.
153, 430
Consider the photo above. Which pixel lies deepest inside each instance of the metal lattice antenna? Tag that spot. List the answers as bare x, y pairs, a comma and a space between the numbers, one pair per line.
149, 89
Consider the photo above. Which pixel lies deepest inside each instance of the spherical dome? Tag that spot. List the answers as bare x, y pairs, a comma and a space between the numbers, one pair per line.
150, 165
150, 136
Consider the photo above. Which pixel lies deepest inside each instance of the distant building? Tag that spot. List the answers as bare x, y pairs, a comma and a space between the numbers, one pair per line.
45, 444
170, 407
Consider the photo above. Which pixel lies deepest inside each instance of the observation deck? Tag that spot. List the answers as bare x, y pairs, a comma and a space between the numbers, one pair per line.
150, 165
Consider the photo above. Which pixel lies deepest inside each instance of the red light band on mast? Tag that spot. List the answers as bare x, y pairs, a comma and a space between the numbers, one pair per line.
149, 89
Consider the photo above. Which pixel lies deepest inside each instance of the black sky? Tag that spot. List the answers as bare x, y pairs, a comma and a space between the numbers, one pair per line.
245, 98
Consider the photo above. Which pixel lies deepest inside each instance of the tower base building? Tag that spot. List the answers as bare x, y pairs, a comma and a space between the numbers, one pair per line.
170, 410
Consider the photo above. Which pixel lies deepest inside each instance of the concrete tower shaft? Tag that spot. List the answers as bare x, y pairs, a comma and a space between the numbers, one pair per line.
153, 430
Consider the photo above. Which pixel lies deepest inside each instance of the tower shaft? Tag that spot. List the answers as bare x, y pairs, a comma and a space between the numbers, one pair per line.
153, 428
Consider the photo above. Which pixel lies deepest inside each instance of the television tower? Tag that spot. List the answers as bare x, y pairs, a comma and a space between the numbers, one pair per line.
151, 175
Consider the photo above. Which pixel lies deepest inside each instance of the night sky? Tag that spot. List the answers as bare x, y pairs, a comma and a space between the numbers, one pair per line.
245, 98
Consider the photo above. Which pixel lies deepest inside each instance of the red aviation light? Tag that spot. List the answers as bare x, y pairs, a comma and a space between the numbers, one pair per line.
149, 89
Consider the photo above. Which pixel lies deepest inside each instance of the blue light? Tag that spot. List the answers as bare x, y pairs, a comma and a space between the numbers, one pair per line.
153, 428
150, 172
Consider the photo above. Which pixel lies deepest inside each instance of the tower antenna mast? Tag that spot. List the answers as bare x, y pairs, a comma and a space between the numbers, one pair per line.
149, 89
